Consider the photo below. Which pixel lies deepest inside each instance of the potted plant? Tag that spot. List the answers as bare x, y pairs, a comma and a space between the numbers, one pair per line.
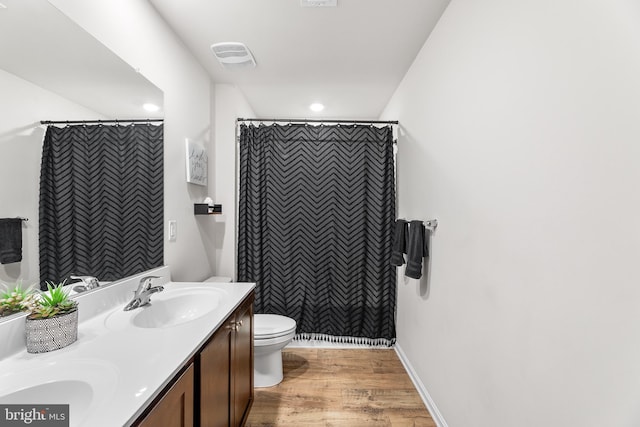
16, 299
53, 322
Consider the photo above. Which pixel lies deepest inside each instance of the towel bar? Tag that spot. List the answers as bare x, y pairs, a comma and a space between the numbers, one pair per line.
432, 224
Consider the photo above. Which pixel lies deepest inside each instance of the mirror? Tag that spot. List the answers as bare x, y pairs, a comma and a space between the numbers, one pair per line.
51, 69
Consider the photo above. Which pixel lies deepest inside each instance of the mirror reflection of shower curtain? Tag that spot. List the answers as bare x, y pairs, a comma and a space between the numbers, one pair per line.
316, 216
101, 201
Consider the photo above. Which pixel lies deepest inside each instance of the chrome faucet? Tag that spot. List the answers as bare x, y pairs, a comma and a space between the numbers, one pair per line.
142, 295
88, 282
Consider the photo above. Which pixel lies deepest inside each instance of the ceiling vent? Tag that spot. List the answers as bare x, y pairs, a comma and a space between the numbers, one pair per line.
318, 3
233, 55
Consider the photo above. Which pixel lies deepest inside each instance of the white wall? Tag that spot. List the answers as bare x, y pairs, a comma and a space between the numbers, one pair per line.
230, 104
22, 106
520, 133
133, 30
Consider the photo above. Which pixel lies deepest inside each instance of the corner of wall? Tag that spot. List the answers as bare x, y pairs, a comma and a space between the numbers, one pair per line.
420, 387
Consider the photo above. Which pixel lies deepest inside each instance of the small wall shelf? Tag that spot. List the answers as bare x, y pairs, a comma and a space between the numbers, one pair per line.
212, 213
205, 209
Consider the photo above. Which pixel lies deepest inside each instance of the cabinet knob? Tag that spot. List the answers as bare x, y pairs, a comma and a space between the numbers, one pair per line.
234, 326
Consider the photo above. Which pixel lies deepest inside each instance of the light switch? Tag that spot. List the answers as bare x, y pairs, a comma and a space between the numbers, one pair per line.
173, 230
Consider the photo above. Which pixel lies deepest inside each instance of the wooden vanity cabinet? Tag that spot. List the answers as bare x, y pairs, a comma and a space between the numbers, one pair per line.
242, 364
215, 379
226, 371
175, 408
216, 390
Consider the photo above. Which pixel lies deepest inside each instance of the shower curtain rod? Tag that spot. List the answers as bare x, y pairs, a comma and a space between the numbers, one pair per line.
69, 122
368, 122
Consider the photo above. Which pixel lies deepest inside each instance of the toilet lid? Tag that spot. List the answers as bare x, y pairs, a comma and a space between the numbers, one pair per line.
272, 325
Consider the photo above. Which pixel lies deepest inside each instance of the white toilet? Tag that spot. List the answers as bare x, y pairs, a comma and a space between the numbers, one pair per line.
271, 333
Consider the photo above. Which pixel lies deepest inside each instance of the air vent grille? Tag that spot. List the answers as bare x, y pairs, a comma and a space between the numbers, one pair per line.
318, 3
233, 55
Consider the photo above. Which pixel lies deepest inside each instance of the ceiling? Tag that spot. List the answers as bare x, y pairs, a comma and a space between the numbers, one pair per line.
40, 44
350, 58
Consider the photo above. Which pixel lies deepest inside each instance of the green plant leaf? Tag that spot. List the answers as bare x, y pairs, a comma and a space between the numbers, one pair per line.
16, 298
53, 302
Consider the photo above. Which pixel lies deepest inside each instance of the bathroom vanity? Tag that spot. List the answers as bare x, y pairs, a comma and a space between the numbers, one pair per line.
216, 387
186, 359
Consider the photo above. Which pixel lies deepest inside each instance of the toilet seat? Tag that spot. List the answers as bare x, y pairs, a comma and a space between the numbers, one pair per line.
269, 326
271, 333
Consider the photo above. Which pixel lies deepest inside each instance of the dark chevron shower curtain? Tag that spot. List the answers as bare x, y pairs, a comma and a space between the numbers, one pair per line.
101, 201
317, 207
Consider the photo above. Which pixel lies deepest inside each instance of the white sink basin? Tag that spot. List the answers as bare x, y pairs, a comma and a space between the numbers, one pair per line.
163, 313
81, 384
168, 308
78, 394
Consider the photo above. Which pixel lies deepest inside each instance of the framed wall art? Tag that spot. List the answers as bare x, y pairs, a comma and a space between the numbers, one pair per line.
196, 163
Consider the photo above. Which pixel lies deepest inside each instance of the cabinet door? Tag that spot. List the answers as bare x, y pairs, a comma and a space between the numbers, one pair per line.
175, 409
242, 363
215, 379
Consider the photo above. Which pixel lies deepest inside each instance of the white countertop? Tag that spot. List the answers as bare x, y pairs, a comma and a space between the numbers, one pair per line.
126, 366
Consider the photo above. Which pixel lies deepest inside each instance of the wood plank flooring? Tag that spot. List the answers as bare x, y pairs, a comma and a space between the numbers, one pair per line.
337, 387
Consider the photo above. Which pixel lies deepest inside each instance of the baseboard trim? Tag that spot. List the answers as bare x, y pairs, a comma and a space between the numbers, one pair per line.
422, 390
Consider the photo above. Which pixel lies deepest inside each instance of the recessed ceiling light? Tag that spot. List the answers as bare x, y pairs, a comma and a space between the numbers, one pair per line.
150, 107
316, 106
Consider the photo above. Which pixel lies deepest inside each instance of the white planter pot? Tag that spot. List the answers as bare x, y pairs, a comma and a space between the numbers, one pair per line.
53, 333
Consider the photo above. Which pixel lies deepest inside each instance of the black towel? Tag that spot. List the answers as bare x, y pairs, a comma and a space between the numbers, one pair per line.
399, 242
416, 250
10, 240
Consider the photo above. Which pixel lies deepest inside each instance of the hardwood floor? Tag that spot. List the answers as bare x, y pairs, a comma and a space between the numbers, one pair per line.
336, 387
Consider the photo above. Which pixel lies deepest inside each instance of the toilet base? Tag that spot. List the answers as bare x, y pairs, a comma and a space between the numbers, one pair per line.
267, 368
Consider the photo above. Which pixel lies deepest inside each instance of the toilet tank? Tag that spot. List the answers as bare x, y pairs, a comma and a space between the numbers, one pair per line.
218, 279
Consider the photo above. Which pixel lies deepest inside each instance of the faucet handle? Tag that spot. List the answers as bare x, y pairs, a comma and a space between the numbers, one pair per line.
145, 282
89, 281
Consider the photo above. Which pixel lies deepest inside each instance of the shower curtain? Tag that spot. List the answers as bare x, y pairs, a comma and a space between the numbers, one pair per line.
316, 215
101, 201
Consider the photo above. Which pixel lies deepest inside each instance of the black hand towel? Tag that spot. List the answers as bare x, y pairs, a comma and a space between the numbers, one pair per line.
416, 250
10, 240
399, 242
